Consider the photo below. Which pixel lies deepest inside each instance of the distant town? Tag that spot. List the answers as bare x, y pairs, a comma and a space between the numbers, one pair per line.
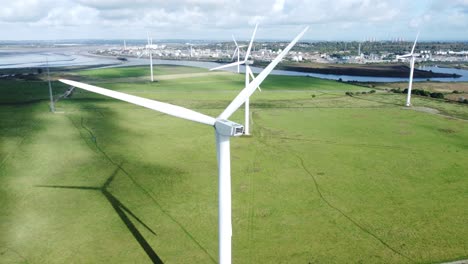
312, 52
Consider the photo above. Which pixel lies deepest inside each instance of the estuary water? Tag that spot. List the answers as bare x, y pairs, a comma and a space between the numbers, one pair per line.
79, 56
209, 65
57, 57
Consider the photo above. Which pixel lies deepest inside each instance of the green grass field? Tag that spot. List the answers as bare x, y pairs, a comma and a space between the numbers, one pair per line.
325, 177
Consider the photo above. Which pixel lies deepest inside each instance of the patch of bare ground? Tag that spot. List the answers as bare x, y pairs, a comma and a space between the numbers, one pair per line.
432, 111
424, 109
464, 261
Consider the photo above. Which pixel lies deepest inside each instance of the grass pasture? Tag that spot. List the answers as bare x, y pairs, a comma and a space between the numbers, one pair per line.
325, 177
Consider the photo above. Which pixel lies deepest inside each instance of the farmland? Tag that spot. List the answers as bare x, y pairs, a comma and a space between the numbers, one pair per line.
324, 178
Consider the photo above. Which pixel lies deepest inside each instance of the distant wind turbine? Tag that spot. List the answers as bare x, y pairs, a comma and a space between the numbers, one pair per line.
237, 50
248, 74
150, 46
190, 49
52, 105
413, 56
224, 130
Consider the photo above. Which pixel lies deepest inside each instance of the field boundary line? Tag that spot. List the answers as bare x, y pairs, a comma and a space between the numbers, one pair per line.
322, 197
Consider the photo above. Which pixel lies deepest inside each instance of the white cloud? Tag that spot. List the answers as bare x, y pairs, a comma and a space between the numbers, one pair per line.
278, 6
68, 16
24, 10
351, 18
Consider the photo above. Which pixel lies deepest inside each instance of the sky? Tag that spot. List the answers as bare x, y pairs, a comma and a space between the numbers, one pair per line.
329, 20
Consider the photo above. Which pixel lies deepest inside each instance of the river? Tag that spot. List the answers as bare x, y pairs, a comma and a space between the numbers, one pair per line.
79, 56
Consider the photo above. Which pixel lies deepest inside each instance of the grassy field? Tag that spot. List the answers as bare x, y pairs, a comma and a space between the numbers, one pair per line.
453, 91
325, 177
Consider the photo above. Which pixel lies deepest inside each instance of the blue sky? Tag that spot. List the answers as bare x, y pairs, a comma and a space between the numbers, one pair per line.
218, 19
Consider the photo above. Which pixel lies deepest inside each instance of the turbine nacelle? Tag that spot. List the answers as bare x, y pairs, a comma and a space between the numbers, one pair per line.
228, 128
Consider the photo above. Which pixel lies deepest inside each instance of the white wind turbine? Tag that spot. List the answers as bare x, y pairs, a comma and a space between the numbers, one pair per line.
190, 49
413, 56
224, 130
248, 74
52, 105
150, 46
237, 50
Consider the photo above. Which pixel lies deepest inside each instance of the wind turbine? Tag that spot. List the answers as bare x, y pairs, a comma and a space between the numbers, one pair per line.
237, 50
150, 44
190, 48
224, 130
413, 56
52, 106
248, 74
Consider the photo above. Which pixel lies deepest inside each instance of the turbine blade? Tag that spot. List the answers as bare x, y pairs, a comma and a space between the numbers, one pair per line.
247, 54
228, 65
235, 41
116, 201
414, 45
405, 56
253, 77
165, 108
234, 54
250, 89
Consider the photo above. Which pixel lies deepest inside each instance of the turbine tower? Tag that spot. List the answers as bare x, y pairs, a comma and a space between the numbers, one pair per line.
248, 74
191, 50
150, 46
413, 56
224, 130
52, 106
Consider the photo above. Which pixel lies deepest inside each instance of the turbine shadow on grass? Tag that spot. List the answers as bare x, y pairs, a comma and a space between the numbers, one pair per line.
121, 211
95, 144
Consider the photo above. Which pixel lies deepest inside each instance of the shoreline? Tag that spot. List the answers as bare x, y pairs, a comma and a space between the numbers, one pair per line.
365, 70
